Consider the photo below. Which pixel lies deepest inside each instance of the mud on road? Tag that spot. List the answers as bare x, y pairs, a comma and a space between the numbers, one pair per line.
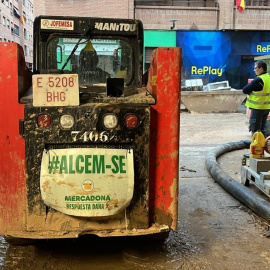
215, 231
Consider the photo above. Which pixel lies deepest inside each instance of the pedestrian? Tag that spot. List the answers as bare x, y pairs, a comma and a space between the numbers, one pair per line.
258, 99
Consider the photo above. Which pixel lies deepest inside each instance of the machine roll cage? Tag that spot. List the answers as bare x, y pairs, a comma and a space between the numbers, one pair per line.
90, 28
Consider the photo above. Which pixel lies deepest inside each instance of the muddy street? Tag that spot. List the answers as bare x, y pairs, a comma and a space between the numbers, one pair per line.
215, 231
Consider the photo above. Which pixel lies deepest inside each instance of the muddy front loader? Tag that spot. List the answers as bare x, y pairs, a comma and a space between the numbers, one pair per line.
86, 146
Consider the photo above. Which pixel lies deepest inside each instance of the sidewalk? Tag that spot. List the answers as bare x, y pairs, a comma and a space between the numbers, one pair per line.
226, 233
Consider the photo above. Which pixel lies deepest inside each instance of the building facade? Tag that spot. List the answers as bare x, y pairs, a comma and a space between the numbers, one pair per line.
16, 25
158, 14
203, 15
86, 8
176, 22
17, 16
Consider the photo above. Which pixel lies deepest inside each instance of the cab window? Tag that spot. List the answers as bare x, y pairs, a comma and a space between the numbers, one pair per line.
94, 60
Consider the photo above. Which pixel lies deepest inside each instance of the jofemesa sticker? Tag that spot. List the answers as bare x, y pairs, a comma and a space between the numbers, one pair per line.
57, 24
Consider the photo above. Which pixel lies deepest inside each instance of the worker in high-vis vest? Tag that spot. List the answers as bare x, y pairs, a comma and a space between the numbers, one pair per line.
258, 99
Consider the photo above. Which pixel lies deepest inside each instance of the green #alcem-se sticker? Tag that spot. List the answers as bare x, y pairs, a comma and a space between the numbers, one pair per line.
87, 182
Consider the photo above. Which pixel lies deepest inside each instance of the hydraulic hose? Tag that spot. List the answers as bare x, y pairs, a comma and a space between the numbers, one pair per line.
257, 204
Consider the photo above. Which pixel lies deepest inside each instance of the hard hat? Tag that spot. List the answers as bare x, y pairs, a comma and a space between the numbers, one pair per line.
89, 47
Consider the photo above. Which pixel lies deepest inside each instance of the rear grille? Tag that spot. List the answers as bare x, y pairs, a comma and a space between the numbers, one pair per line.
106, 146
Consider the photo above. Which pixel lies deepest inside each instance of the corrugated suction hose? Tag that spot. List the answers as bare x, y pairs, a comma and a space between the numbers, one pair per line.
257, 204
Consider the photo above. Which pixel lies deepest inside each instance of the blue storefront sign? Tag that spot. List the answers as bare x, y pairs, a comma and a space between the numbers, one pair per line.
215, 56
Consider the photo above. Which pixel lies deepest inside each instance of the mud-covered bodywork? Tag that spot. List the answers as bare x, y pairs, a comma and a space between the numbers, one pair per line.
88, 157
93, 48
103, 160
88, 119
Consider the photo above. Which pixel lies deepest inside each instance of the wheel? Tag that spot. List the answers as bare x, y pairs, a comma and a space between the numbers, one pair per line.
246, 183
156, 237
244, 179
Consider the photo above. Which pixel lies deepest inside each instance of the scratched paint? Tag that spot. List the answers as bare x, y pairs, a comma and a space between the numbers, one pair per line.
12, 169
165, 121
88, 118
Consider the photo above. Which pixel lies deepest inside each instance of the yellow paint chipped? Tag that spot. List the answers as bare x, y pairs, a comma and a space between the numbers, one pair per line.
266, 255
154, 80
174, 205
116, 110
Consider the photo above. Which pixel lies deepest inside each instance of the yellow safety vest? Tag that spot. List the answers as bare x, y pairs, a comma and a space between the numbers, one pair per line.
260, 100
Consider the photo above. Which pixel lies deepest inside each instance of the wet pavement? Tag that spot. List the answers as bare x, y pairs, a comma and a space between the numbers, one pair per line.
91, 253
215, 231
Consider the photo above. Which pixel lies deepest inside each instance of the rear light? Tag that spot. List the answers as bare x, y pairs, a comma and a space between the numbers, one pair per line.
44, 120
110, 121
67, 121
131, 120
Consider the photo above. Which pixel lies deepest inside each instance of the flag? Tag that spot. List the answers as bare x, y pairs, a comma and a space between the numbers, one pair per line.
22, 19
240, 4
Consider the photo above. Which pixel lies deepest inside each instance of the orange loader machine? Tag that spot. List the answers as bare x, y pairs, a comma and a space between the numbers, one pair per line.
88, 147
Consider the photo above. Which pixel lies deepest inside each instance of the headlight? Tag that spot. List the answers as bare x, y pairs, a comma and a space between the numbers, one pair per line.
66, 121
110, 121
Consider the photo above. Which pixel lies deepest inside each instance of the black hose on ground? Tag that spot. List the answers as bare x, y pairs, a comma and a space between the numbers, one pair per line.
257, 204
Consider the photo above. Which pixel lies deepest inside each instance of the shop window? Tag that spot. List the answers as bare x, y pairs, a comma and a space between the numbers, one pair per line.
16, 30
26, 50
265, 36
25, 3
257, 2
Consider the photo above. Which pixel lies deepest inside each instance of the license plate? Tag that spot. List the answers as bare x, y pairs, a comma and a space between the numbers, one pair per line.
55, 90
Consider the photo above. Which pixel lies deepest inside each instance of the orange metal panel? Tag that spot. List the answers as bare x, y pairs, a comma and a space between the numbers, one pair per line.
165, 82
12, 158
